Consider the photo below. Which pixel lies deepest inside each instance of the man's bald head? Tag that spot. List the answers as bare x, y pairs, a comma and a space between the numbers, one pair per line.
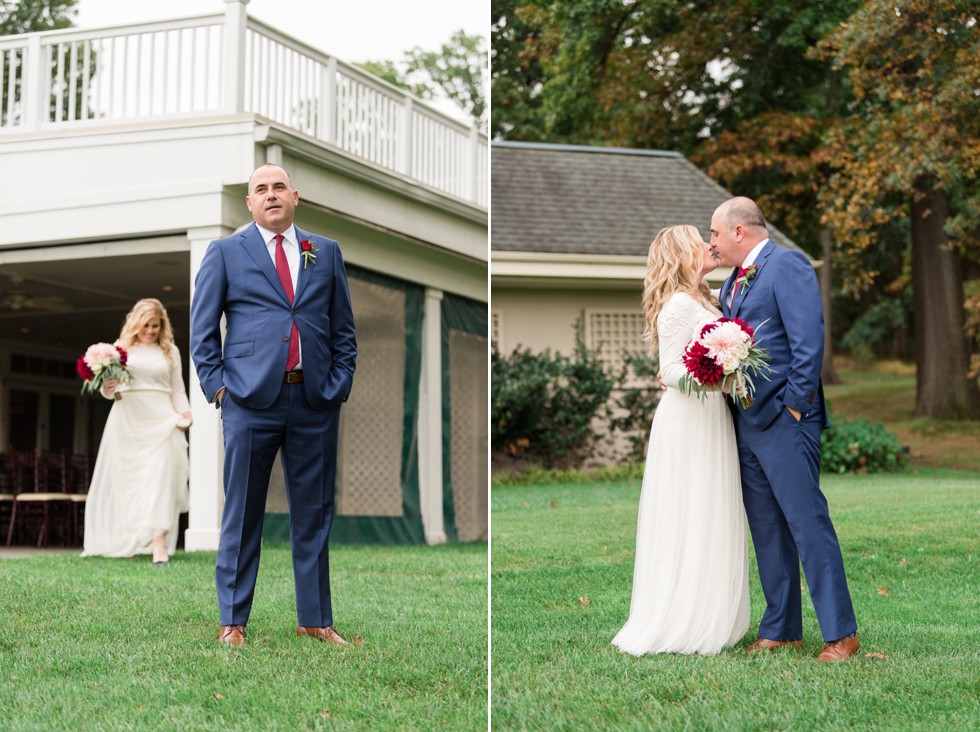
742, 211
265, 167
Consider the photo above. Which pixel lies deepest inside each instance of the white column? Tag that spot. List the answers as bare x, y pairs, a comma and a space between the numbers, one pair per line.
36, 83
273, 155
430, 420
233, 70
207, 496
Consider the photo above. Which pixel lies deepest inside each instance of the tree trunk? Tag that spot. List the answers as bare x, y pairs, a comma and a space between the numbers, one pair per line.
828, 372
941, 355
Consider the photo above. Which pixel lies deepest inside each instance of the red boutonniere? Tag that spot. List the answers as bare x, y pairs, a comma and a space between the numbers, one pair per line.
746, 275
308, 249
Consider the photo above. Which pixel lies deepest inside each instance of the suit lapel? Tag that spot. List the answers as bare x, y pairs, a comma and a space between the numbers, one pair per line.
305, 273
256, 248
743, 291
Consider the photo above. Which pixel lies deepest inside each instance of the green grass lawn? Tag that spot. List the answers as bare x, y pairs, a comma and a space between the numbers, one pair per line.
561, 572
118, 644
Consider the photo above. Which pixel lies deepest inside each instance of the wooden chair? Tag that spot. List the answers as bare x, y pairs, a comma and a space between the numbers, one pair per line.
38, 482
6, 492
20, 468
80, 467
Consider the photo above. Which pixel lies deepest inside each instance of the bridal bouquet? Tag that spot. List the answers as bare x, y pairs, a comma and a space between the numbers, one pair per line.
724, 352
100, 363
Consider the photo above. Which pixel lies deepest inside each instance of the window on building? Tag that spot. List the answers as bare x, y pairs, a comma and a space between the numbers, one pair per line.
611, 332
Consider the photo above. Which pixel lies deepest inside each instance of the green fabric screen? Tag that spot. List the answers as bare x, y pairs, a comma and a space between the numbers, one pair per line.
407, 527
468, 316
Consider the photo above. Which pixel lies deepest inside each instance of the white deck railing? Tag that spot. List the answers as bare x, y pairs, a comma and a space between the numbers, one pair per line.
226, 64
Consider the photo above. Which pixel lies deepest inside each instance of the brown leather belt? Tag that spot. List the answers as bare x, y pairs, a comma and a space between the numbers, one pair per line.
293, 377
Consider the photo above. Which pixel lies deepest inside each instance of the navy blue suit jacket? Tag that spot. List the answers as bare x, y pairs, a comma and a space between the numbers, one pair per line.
785, 293
238, 279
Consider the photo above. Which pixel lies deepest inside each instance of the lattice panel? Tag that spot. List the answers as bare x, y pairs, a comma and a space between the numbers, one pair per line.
612, 332
371, 422
468, 465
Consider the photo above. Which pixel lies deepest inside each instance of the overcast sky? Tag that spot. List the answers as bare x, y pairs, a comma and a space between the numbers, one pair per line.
352, 30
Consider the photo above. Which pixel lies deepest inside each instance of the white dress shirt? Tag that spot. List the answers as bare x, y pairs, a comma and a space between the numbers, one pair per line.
290, 246
749, 260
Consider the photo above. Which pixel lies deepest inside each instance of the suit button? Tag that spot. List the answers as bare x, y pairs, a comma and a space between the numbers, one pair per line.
285, 338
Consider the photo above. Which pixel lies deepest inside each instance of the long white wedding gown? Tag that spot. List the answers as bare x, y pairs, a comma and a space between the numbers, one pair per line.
139, 485
690, 578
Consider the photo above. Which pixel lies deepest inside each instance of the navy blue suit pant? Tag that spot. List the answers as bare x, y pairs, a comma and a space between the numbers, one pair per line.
790, 525
307, 438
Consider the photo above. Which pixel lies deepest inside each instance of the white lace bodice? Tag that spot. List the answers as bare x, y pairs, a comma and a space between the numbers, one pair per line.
152, 371
678, 322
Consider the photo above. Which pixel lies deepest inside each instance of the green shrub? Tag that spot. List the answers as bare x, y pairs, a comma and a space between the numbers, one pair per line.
543, 404
860, 446
520, 384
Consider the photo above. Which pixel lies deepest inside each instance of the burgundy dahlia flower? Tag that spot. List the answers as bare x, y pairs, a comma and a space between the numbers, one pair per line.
83, 370
701, 365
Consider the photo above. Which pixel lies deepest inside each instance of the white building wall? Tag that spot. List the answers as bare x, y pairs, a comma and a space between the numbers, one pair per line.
540, 318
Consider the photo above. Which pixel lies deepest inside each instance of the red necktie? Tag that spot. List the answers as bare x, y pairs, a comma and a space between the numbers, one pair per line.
742, 271
282, 269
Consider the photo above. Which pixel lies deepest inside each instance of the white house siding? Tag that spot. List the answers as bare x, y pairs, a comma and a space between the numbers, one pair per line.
539, 318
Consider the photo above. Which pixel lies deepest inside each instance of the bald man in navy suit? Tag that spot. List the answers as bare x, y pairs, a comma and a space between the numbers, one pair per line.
280, 377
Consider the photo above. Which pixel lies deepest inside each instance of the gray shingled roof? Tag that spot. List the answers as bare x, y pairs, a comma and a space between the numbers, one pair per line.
595, 200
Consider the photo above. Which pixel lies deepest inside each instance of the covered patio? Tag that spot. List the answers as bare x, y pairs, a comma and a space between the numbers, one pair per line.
127, 150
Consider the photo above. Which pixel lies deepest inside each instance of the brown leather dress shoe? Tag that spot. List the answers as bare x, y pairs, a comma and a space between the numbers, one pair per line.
232, 635
838, 650
327, 635
764, 644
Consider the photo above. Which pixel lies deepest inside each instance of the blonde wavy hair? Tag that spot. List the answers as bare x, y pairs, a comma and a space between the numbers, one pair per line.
673, 265
139, 316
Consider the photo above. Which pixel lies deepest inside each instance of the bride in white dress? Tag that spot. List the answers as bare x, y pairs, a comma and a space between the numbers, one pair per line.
690, 578
139, 486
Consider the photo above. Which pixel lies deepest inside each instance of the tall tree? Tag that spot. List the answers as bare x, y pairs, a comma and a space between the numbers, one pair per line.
654, 74
516, 75
581, 71
913, 137
28, 16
